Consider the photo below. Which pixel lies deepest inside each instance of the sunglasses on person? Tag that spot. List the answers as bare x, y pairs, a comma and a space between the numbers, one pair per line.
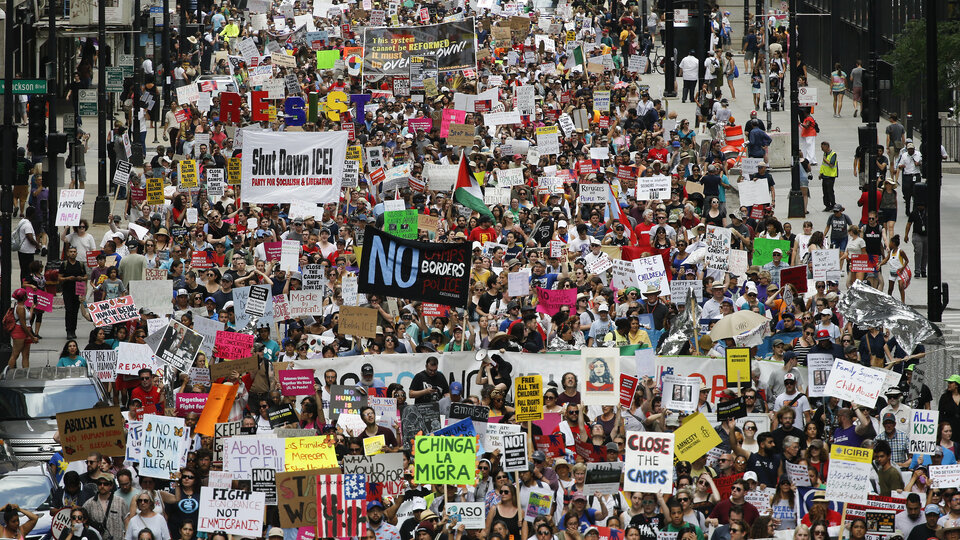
504, 491
77, 517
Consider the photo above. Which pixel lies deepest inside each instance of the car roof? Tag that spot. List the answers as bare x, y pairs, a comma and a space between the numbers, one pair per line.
29, 470
45, 375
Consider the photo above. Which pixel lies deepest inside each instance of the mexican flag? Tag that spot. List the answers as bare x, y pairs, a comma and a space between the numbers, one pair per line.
576, 57
467, 192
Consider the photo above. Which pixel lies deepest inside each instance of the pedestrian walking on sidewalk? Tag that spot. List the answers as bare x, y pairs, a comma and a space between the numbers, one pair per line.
838, 85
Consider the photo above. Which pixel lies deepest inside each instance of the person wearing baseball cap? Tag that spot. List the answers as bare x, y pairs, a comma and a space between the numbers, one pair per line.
381, 527
825, 322
792, 397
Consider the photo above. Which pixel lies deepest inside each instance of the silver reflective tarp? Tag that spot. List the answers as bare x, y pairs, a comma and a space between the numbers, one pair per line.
865, 306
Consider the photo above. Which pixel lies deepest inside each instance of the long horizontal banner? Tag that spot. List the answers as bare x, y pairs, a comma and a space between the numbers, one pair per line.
284, 167
387, 51
424, 271
462, 367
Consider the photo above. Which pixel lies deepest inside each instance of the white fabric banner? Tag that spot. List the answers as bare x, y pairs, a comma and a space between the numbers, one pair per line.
300, 166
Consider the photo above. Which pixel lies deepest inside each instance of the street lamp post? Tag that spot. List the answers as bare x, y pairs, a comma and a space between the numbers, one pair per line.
937, 292
796, 208
670, 66
101, 207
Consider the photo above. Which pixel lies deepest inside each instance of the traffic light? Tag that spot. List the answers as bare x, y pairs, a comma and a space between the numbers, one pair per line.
37, 126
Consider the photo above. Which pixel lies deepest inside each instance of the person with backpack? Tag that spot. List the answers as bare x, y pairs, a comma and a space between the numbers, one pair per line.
16, 322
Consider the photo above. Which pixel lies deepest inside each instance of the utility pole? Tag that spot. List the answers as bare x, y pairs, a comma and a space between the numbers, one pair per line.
796, 208
167, 68
937, 292
9, 172
704, 21
53, 238
871, 106
669, 69
101, 208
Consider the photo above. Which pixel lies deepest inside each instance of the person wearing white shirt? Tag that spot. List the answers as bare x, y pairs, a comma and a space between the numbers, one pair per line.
909, 163
826, 324
688, 69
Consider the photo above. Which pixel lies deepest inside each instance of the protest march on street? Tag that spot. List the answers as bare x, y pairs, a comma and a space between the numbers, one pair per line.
402, 270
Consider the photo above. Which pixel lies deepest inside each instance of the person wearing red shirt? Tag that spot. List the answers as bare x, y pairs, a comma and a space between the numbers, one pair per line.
484, 232
642, 230
864, 204
149, 395
659, 151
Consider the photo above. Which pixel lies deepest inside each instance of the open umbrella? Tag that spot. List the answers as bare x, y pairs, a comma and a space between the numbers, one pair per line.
736, 324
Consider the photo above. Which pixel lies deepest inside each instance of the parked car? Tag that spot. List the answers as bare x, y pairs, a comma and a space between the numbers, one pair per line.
30, 400
30, 487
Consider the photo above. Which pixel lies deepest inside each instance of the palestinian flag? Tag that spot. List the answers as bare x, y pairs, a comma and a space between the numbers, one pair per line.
467, 192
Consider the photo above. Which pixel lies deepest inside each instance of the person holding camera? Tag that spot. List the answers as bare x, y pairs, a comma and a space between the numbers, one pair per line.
429, 385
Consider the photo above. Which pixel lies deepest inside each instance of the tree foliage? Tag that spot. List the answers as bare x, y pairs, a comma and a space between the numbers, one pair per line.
909, 58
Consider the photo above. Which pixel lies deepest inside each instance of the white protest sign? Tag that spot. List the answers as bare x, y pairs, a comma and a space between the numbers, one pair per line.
651, 273
818, 371
679, 288
509, 177
680, 393
850, 469
750, 165
161, 447
854, 382
718, 248
104, 363
233, 511
648, 466
518, 283
132, 357
753, 192
68, 207
470, 514
289, 255
653, 188
923, 431
593, 193
624, 275
943, 476
824, 262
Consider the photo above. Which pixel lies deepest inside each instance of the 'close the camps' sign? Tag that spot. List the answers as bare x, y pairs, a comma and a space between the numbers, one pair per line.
648, 466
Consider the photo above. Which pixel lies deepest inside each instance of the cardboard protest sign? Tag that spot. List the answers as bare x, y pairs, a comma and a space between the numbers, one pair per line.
358, 321
233, 345
296, 382
528, 392
113, 311
445, 460
383, 469
738, 367
923, 431
648, 465
91, 430
297, 497
694, 437
221, 370
850, 469
854, 382
601, 369
162, 440
233, 511
515, 452
680, 393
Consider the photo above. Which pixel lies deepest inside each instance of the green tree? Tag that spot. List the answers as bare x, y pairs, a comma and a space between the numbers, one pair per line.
909, 58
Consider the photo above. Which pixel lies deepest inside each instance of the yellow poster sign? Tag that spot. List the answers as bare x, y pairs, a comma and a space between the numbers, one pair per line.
694, 438
233, 171
305, 453
529, 394
738, 367
851, 453
155, 190
188, 174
